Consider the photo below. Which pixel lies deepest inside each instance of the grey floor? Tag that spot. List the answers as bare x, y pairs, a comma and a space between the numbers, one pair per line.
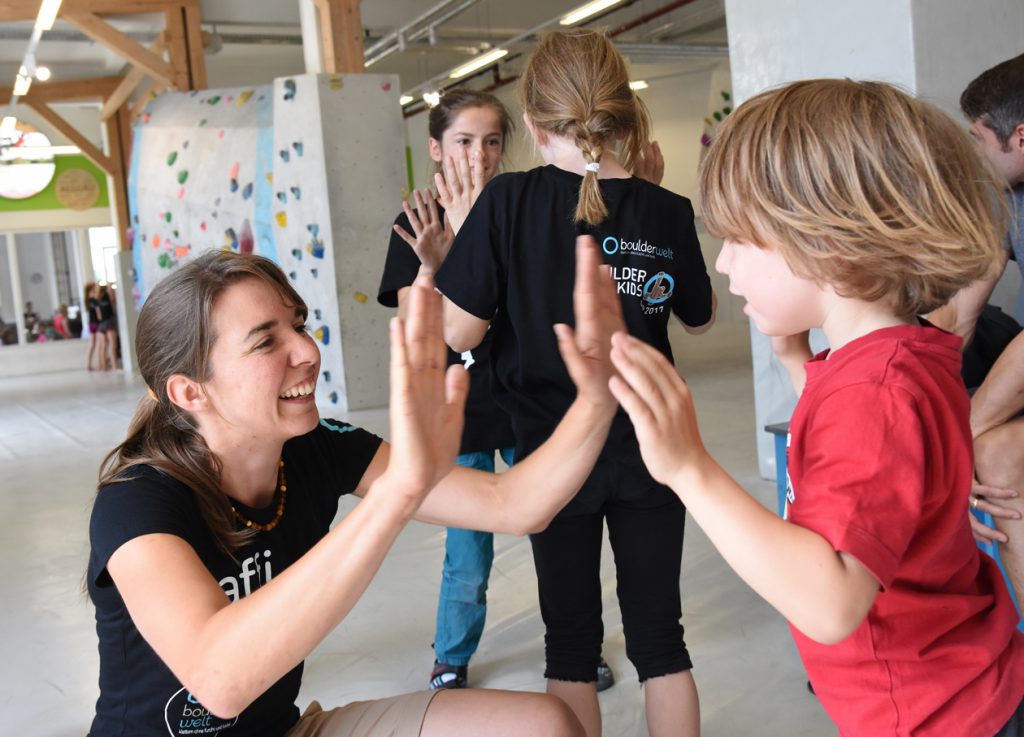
55, 429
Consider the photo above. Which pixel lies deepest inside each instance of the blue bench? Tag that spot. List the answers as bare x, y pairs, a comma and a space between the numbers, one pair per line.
780, 431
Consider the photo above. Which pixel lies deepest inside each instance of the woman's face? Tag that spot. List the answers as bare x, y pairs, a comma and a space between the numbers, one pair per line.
477, 131
264, 366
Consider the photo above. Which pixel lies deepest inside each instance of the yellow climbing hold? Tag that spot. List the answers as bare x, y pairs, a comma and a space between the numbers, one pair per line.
243, 98
282, 219
360, 297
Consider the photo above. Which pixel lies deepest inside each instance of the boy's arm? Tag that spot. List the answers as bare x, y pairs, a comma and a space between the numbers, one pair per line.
823, 593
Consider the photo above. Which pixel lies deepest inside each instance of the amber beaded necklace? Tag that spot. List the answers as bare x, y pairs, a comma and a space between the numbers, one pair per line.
283, 488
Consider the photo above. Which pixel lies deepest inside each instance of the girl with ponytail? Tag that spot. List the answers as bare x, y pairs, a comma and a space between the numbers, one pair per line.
510, 269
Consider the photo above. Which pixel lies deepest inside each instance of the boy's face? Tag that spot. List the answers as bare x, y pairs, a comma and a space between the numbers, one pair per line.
1009, 159
778, 301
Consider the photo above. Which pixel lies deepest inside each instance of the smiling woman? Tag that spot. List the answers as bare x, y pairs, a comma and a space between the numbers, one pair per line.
228, 483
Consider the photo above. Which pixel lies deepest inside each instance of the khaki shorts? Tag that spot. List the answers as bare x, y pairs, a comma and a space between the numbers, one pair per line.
399, 716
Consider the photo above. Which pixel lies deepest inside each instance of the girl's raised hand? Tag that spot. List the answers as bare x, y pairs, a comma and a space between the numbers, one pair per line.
459, 186
586, 351
431, 238
427, 397
660, 406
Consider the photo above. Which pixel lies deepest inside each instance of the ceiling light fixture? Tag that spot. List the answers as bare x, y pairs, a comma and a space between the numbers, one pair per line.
47, 14
405, 100
585, 11
431, 98
9, 127
22, 83
478, 63
640, 84
43, 74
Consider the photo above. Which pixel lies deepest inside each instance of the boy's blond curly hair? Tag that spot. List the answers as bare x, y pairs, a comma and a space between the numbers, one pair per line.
861, 187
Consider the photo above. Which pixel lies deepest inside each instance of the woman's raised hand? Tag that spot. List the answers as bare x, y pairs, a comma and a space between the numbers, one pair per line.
459, 186
586, 350
431, 238
427, 396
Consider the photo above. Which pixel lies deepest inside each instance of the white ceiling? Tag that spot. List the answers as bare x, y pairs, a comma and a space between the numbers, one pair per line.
261, 39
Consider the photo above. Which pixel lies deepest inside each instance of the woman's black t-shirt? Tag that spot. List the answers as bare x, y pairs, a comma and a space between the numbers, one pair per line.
138, 693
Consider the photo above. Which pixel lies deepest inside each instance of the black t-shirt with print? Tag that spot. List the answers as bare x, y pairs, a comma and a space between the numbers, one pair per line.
514, 260
487, 426
138, 693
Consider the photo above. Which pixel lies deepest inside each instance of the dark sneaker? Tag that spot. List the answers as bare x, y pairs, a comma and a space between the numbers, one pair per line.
447, 676
605, 677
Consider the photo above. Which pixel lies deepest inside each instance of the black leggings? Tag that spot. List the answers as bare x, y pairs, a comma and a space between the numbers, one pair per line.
646, 535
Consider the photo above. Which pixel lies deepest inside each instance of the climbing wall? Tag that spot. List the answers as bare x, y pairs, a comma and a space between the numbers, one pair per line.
307, 171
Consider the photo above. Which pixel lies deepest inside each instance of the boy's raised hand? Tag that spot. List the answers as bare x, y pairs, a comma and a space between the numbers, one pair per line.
427, 397
661, 408
586, 350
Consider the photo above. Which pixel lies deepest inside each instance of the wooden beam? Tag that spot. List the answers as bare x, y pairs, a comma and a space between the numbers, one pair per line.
341, 31
11, 10
177, 48
71, 133
131, 80
98, 88
196, 47
131, 50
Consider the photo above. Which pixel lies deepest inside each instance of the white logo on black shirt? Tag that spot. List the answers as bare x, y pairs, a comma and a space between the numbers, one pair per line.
255, 566
184, 715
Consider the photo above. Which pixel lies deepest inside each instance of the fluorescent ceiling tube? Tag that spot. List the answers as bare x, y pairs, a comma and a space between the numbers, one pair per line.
640, 84
585, 11
478, 63
48, 10
405, 100
431, 98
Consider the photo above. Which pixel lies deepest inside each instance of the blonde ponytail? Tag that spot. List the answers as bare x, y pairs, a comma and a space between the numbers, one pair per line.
576, 85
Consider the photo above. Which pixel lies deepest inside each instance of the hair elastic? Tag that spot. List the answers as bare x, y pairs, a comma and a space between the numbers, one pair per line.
593, 166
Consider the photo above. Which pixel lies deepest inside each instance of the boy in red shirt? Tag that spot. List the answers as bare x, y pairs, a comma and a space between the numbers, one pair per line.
853, 208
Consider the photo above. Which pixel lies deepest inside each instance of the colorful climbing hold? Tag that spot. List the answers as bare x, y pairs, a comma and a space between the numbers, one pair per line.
296, 193
282, 196
333, 396
171, 158
323, 334
298, 147
360, 297
247, 191
327, 376
296, 254
243, 98
234, 185
314, 229
182, 176
316, 248
281, 218
285, 156
214, 100
289, 89
233, 171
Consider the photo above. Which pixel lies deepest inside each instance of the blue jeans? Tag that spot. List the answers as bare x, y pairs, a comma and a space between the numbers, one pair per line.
468, 554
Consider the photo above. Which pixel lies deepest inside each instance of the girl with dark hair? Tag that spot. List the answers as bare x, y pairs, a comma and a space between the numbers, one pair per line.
214, 568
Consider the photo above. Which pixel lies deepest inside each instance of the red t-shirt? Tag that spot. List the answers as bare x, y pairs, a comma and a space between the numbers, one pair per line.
880, 465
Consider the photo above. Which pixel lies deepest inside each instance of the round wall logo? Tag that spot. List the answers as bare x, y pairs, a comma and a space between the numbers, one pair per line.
658, 288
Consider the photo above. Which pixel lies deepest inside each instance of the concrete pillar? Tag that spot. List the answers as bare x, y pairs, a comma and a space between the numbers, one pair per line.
312, 46
16, 294
127, 315
931, 48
